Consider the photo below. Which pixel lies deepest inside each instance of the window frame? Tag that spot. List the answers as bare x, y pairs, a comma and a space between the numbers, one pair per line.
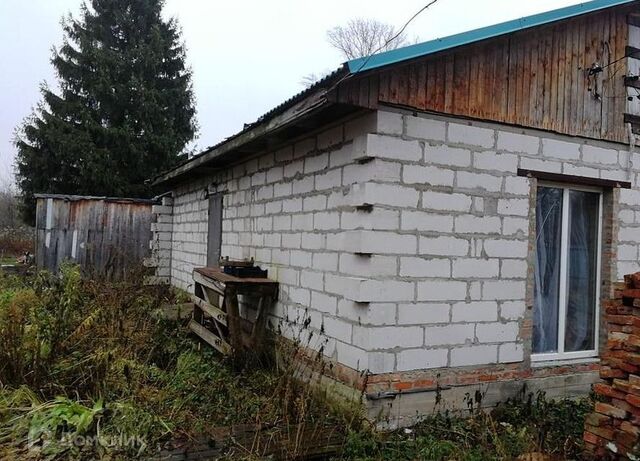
562, 301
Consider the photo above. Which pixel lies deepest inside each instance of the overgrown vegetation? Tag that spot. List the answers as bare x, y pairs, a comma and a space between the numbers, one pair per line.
86, 360
525, 426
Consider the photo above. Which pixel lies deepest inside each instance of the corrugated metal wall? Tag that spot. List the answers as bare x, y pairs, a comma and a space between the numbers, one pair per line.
105, 236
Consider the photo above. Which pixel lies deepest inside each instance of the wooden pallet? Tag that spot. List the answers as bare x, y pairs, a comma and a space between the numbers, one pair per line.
216, 317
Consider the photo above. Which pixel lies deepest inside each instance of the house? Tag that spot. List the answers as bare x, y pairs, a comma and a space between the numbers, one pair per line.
449, 216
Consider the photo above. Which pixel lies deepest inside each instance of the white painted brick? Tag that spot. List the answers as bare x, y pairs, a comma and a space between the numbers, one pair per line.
425, 268
325, 261
512, 310
370, 266
425, 128
475, 268
430, 175
497, 332
592, 154
492, 161
469, 180
503, 289
474, 355
418, 359
479, 311
515, 142
381, 362
560, 149
445, 335
443, 246
472, 135
510, 353
389, 147
443, 201
425, 221
470, 224
441, 290
514, 206
423, 313
445, 155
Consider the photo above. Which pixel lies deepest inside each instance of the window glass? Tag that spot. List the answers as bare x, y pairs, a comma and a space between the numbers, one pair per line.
547, 273
582, 265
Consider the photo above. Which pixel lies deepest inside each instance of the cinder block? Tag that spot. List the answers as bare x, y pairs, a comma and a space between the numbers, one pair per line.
337, 328
478, 311
323, 302
474, 355
329, 180
381, 146
426, 221
428, 175
513, 269
365, 241
443, 246
419, 359
448, 335
316, 163
510, 353
514, 206
471, 224
471, 180
441, 290
326, 220
351, 356
512, 310
503, 290
383, 194
515, 142
446, 202
388, 122
380, 338
423, 313
517, 185
560, 149
425, 268
472, 135
368, 266
492, 161
449, 156
325, 261
381, 362
425, 128
374, 219
465, 268
374, 170
497, 332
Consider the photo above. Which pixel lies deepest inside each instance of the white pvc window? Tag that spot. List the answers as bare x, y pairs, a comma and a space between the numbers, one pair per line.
567, 272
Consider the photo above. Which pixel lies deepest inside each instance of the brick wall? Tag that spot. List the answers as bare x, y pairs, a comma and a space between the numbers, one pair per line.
404, 239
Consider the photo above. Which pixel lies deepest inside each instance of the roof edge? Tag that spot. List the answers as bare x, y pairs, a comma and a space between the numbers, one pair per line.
464, 38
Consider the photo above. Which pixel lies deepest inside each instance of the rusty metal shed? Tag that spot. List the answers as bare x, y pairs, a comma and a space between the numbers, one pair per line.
104, 235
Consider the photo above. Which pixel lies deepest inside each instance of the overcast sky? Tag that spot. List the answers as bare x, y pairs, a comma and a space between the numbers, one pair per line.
247, 56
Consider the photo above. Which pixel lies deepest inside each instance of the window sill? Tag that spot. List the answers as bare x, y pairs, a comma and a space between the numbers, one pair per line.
563, 362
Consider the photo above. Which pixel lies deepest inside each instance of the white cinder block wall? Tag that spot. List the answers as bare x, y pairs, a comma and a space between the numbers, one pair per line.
405, 239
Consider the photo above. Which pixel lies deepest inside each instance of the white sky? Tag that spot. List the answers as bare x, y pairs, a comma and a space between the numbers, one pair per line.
247, 55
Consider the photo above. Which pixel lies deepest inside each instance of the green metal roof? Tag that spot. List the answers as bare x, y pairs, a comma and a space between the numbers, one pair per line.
452, 41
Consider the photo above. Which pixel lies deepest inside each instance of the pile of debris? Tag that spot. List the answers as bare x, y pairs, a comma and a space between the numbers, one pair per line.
612, 430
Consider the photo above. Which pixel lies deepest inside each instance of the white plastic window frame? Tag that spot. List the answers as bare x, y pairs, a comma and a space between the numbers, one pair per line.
562, 303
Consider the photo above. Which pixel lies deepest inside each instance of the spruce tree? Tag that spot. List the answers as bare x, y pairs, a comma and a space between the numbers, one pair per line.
124, 110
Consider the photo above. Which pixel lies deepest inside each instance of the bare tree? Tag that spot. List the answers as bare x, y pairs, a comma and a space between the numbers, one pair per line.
364, 37
9, 216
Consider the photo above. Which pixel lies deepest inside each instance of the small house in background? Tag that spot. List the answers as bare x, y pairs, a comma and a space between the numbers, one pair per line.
446, 217
105, 236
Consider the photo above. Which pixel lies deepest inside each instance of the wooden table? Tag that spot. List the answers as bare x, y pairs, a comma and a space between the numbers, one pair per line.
216, 314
